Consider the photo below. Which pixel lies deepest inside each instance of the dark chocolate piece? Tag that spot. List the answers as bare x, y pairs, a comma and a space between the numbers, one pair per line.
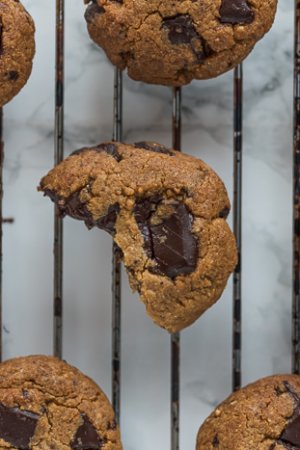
11, 75
290, 437
109, 148
171, 244
153, 147
181, 30
107, 222
236, 12
75, 208
291, 434
92, 10
224, 213
215, 441
17, 426
86, 437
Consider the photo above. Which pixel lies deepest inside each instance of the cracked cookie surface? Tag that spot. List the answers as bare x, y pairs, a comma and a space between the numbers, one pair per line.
172, 42
264, 415
46, 404
166, 212
17, 48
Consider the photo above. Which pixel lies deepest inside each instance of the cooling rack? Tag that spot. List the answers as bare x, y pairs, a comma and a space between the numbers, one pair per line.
175, 130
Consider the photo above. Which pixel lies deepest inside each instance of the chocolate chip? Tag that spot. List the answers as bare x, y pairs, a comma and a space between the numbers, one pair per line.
181, 30
109, 148
215, 441
290, 437
11, 75
93, 10
86, 437
224, 213
143, 211
107, 222
74, 207
291, 434
236, 12
154, 147
171, 243
17, 426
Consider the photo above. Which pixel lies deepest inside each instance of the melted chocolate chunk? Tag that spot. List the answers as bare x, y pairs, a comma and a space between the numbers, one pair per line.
75, 208
290, 437
153, 147
215, 441
12, 75
291, 434
92, 10
181, 30
224, 213
86, 437
109, 148
171, 244
17, 426
107, 222
236, 12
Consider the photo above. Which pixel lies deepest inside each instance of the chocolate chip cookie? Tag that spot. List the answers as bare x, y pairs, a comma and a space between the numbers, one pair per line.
45, 404
17, 47
166, 212
264, 415
174, 41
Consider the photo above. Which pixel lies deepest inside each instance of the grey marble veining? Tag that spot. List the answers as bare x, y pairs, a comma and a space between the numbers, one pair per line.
207, 133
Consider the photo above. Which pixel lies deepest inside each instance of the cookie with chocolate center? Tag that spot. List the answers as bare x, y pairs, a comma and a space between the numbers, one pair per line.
174, 42
48, 404
264, 415
17, 48
166, 212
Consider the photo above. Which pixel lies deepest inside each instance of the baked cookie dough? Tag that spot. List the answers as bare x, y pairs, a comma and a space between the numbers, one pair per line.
262, 416
17, 48
174, 41
166, 212
45, 404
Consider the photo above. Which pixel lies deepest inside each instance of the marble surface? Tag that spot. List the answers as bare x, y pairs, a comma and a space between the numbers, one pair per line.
207, 133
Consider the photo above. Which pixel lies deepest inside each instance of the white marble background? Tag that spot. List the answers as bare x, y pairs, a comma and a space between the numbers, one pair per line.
207, 126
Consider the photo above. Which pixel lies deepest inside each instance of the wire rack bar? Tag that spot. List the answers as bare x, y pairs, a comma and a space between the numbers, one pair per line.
296, 194
116, 266
1, 225
237, 224
175, 338
58, 156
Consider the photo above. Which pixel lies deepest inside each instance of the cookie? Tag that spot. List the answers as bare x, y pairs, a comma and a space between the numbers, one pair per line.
17, 48
45, 404
174, 41
166, 212
264, 415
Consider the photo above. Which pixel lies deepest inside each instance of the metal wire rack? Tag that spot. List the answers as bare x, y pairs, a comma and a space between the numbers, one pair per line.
237, 220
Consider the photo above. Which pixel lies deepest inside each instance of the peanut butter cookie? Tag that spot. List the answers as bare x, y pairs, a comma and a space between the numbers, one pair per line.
166, 212
174, 41
17, 48
45, 404
262, 416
